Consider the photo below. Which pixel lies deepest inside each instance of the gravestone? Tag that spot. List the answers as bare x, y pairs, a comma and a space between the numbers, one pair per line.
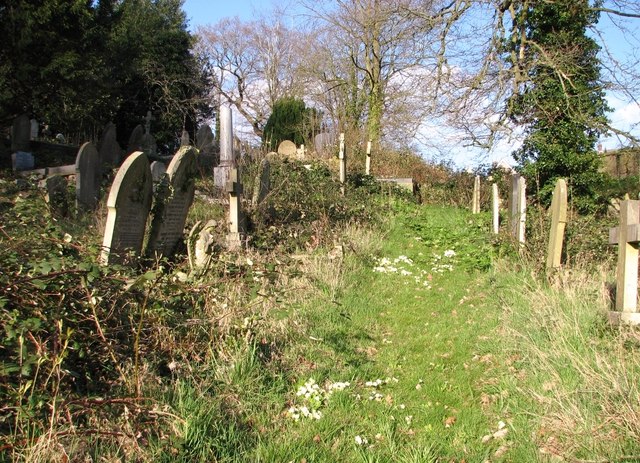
558, 223
287, 148
110, 151
56, 187
22, 160
263, 183
20, 134
128, 204
34, 129
203, 245
207, 156
227, 158
158, 169
323, 143
367, 165
135, 140
475, 199
234, 188
343, 162
495, 207
627, 237
173, 201
184, 139
88, 175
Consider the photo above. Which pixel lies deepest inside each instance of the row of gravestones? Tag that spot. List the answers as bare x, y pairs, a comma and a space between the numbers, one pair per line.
626, 236
129, 207
24, 130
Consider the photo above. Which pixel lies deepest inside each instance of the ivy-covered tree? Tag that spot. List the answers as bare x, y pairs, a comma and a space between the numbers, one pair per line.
290, 120
558, 97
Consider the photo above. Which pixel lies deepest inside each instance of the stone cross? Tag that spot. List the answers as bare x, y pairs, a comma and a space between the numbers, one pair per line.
173, 200
234, 188
128, 206
88, 174
227, 159
367, 165
627, 237
475, 200
343, 161
495, 207
558, 223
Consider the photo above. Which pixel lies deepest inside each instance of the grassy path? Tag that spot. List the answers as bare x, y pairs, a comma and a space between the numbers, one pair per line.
413, 334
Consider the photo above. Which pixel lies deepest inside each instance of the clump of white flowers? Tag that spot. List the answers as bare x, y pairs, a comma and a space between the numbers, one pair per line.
313, 398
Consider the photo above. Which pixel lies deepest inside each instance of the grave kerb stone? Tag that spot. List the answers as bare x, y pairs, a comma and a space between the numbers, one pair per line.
558, 224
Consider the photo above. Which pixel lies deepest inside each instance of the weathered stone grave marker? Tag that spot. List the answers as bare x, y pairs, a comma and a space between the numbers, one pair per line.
135, 140
34, 129
558, 224
158, 169
627, 237
110, 151
88, 174
495, 207
367, 163
475, 199
173, 201
234, 188
56, 188
185, 140
518, 208
262, 184
129, 203
287, 148
20, 134
149, 145
227, 159
207, 156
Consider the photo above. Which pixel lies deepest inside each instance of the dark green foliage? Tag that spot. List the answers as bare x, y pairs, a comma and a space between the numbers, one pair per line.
290, 120
76, 65
560, 99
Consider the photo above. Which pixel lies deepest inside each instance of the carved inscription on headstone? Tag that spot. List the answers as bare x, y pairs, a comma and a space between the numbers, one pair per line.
173, 201
128, 203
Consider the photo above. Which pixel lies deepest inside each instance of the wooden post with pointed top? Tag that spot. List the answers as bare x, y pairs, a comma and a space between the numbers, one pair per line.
627, 237
343, 163
495, 207
475, 200
558, 224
